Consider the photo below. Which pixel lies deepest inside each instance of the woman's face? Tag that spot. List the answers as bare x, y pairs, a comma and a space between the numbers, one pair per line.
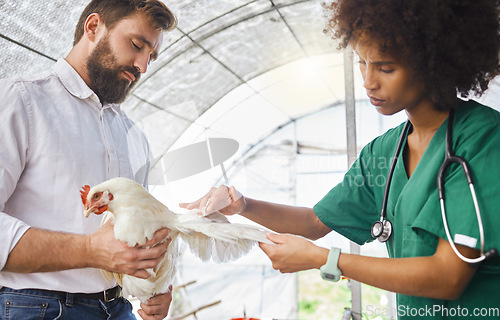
388, 83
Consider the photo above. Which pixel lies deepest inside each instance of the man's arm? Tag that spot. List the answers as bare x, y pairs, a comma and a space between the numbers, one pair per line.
45, 251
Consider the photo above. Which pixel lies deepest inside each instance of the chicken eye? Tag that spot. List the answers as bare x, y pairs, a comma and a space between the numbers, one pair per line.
96, 196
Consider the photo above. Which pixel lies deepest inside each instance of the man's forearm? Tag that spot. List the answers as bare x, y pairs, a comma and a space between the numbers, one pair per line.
46, 251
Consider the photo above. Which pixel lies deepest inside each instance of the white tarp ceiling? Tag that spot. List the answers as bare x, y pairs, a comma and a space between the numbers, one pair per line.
217, 46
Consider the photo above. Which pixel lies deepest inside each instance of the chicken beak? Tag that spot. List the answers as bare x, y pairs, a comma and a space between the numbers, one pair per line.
95, 209
88, 211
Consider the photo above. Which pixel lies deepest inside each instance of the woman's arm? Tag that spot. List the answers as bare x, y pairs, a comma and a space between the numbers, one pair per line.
277, 217
442, 275
285, 219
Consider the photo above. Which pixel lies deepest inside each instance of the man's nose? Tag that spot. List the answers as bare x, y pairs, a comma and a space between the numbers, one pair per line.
142, 62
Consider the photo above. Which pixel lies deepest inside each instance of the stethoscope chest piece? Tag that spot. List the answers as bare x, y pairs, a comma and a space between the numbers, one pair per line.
382, 230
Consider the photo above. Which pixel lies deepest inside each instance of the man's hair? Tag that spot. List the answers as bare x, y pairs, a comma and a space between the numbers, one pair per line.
112, 11
451, 46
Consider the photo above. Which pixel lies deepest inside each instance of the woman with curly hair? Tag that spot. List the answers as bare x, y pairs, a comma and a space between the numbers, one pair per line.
417, 56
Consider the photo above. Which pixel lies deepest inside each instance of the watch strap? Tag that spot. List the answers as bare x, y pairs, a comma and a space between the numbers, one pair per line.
330, 271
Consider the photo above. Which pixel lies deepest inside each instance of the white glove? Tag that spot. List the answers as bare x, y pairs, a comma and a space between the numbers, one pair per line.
223, 199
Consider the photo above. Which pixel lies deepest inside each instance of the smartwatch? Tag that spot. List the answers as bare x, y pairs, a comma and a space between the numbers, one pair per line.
330, 271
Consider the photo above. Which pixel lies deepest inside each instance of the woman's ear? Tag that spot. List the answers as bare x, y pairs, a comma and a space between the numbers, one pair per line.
93, 25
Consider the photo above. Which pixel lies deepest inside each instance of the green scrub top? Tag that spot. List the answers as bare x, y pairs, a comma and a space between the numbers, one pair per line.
413, 207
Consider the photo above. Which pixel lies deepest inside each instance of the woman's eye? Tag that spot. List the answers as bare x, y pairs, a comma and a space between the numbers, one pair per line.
386, 70
136, 46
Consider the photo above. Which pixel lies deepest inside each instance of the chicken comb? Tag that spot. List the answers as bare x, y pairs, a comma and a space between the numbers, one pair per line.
84, 192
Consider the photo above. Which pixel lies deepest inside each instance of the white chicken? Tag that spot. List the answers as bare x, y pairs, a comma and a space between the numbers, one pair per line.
137, 215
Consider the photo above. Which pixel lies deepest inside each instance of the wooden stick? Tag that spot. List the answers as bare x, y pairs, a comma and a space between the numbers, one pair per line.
197, 310
183, 285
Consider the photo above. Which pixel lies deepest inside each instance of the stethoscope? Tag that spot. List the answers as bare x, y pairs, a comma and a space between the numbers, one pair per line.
382, 229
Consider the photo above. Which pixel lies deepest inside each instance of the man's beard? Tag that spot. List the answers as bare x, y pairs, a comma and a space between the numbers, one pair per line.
106, 76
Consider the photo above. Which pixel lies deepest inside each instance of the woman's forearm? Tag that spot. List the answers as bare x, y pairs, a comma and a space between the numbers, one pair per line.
442, 275
285, 219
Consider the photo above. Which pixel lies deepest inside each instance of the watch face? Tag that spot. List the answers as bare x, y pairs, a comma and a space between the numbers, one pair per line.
330, 276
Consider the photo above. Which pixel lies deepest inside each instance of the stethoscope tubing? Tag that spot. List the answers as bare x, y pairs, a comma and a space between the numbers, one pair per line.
383, 212
481, 230
450, 158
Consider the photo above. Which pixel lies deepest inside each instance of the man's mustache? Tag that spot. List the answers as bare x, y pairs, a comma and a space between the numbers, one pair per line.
133, 71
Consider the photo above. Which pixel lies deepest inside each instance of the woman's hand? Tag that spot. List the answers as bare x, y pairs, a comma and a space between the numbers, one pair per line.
226, 200
293, 253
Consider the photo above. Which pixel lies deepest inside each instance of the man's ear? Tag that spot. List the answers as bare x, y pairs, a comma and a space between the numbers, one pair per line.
93, 26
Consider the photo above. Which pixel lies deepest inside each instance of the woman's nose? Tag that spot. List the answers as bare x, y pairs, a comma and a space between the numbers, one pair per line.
370, 80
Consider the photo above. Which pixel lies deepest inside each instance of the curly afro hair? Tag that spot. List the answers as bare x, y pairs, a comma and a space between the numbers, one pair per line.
452, 46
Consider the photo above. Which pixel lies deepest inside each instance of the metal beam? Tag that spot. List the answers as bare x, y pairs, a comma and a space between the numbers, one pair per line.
350, 112
27, 47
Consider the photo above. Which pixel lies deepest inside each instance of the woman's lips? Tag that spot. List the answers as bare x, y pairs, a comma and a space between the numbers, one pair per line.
375, 101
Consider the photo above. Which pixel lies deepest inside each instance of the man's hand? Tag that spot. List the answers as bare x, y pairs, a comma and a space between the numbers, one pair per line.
113, 255
156, 308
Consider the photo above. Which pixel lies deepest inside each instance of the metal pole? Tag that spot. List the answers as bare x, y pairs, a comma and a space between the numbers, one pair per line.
350, 112
293, 185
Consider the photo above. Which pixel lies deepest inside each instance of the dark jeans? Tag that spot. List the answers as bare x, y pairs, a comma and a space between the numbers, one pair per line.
30, 304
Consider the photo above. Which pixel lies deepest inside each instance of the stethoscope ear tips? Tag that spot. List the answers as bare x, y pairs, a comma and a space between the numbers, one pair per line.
492, 253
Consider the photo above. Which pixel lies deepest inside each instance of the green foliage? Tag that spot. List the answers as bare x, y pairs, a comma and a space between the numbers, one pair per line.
308, 307
322, 300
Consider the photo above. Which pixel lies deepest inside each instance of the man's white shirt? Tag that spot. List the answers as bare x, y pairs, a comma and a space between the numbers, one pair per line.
55, 137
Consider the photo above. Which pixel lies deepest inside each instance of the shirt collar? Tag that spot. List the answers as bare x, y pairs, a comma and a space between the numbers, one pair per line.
75, 85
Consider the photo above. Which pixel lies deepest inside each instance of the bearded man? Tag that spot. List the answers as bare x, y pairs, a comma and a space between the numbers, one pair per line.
64, 129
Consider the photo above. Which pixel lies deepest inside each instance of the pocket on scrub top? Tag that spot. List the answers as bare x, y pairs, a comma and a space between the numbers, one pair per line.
414, 245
